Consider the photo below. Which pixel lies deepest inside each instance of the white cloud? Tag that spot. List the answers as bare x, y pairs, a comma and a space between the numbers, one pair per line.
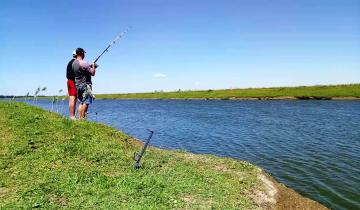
159, 75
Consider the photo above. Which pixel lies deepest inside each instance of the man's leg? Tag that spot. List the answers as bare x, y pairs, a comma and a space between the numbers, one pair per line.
84, 108
72, 106
80, 110
72, 98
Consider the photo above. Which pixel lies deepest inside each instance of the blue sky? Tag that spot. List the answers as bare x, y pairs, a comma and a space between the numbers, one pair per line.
188, 44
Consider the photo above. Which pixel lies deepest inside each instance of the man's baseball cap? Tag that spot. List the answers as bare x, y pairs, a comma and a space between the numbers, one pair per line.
80, 51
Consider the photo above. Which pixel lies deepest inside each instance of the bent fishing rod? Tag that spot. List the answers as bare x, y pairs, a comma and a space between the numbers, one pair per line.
112, 43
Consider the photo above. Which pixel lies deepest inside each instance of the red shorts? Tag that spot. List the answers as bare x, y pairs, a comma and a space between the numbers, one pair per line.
71, 88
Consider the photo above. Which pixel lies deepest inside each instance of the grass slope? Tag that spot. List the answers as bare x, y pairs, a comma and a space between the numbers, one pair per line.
352, 90
50, 162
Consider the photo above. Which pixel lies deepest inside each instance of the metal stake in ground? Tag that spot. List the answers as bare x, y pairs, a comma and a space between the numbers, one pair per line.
138, 156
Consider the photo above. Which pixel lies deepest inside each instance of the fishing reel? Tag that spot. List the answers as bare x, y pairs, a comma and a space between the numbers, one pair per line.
94, 65
137, 156
137, 159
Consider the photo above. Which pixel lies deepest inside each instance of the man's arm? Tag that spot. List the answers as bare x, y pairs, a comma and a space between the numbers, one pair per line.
87, 67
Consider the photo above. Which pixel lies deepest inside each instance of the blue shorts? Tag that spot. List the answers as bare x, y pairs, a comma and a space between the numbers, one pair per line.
85, 94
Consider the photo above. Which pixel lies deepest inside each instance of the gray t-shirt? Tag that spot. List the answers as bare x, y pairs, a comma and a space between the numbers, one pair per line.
83, 73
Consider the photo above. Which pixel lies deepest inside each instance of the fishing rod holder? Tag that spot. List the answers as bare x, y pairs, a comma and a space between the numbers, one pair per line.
138, 156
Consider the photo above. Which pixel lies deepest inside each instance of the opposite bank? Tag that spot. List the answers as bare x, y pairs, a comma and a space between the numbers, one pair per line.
319, 92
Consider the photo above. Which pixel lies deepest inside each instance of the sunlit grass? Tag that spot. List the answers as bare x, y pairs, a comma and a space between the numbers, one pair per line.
49, 162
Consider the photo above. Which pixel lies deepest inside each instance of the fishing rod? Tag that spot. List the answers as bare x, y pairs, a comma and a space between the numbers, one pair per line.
112, 43
138, 156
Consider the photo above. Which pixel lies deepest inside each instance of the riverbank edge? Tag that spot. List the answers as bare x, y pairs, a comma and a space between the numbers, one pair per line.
290, 98
274, 195
315, 92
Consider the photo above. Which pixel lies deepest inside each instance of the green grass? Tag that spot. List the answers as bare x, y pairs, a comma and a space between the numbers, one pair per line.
47, 161
351, 90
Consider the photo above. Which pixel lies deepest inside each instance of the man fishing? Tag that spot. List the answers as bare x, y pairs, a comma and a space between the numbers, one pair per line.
71, 87
83, 73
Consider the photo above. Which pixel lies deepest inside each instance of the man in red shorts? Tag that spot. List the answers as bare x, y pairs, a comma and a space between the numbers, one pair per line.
71, 87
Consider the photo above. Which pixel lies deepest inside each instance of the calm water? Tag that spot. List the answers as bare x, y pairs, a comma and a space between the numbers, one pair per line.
311, 146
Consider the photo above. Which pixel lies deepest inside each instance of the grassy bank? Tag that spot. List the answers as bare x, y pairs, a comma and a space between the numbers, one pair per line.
303, 92
48, 161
